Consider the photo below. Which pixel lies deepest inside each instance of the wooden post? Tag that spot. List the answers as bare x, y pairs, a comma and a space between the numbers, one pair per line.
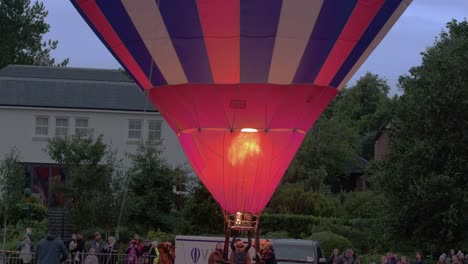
227, 232
257, 244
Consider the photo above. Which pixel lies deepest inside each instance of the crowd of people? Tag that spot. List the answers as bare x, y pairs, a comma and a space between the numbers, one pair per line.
51, 250
350, 257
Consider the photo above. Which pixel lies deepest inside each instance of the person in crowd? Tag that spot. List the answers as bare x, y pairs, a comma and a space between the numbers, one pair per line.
391, 258
419, 258
171, 251
51, 250
383, 259
165, 253
404, 260
455, 260
356, 259
240, 252
146, 246
346, 258
99, 246
154, 253
91, 258
138, 243
80, 245
132, 253
451, 253
217, 256
73, 247
441, 259
268, 254
334, 256
465, 260
112, 248
25, 249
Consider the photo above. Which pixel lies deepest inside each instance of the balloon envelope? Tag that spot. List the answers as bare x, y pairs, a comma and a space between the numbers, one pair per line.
241, 81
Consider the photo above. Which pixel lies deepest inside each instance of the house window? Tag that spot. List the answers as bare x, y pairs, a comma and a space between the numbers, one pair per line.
134, 129
42, 126
81, 126
61, 127
154, 130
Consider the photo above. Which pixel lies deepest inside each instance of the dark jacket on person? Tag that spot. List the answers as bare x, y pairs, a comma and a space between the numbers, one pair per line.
268, 255
51, 250
344, 260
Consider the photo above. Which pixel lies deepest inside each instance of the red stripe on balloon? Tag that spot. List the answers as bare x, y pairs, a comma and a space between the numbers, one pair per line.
362, 16
97, 18
220, 21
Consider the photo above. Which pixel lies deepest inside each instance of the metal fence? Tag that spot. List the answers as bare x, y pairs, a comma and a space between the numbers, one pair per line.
15, 257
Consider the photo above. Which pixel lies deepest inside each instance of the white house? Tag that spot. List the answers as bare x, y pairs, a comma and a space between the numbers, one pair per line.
38, 103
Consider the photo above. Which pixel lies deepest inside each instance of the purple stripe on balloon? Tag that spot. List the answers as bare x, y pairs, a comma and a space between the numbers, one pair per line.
103, 41
332, 19
117, 16
374, 28
259, 21
183, 25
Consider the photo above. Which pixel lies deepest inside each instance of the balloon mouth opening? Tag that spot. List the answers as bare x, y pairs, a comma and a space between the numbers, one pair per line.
249, 130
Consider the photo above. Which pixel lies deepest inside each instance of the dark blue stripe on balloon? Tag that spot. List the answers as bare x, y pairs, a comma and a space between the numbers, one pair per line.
117, 16
332, 19
184, 28
374, 28
258, 25
103, 41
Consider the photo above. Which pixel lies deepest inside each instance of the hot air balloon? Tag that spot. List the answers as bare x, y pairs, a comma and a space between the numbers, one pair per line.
241, 81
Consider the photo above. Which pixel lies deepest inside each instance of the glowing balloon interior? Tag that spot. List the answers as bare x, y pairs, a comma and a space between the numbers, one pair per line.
241, 81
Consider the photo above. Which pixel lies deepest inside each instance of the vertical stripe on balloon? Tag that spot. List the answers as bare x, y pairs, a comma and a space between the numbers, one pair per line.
149, 24
116, 14
381, 25
184, 28
103, 29
330, 23
296, 23
220, 25
362, 16
258, 25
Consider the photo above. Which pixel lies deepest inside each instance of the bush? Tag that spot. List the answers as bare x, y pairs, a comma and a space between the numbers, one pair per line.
277, 234
300, 226
329, 241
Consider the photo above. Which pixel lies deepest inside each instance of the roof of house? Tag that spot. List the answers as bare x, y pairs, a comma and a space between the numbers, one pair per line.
63, 87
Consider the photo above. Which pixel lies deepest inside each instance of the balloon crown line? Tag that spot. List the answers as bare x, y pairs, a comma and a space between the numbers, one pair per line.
243, 130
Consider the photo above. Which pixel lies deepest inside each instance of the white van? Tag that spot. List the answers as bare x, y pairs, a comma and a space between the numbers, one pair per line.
197, 250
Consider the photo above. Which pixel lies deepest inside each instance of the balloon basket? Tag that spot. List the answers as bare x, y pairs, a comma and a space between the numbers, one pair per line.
242, 221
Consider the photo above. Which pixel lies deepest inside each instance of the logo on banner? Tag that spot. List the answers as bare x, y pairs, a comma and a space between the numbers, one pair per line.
195, 254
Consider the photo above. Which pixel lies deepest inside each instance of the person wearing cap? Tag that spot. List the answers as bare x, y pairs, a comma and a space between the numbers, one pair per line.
51, 250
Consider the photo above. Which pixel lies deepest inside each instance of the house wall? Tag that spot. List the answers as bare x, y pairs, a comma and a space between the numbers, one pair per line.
17, 129
381, 145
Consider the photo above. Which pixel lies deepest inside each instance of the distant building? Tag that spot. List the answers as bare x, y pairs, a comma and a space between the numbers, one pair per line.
38, 103
381, 143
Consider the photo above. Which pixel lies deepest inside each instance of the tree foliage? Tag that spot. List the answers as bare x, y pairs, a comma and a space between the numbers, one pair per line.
341, 135
91, 173
151, 189
12, 179
424, 175
22, 29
